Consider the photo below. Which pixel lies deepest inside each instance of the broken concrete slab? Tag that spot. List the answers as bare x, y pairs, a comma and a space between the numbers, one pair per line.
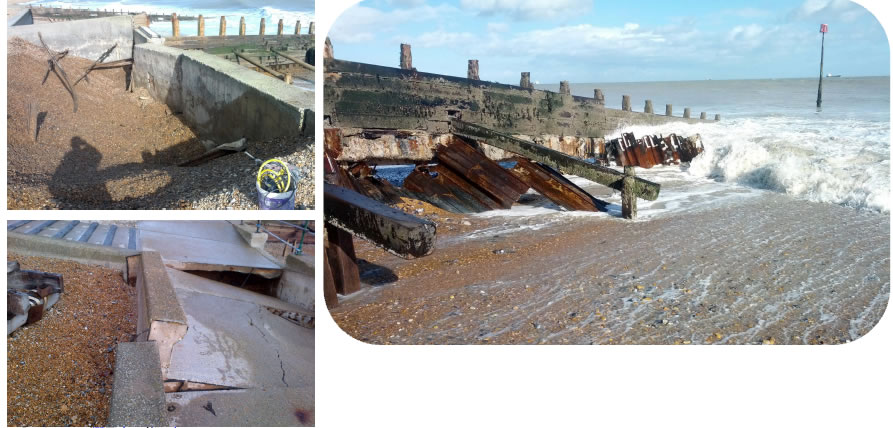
160, 317
240, 344
138, 394
205, 245
195, 283
271, 406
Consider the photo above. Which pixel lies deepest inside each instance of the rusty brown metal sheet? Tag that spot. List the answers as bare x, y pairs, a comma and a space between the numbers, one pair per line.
342, 259
554, 186
444, 189
486, 174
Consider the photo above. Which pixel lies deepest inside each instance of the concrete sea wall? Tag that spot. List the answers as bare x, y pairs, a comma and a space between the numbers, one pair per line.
87, 38
220, 99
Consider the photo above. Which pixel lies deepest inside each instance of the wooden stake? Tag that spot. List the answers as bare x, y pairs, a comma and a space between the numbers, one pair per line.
298, 27
201, 26
175, 23
33, 111
280, 28
312, 28
263, 25
222, 26
405, 56
242, 26
627, 196
473, 70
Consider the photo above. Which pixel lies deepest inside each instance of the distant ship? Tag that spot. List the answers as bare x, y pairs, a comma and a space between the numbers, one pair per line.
832, 75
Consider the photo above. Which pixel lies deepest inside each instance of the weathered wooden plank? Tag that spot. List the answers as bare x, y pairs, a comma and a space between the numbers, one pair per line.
566, 164
390, 229
544, 181
495, 181
343, 260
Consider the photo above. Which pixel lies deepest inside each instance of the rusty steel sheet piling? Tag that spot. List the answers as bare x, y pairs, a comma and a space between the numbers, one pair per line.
390, 229
565, 164
551, 184
498, 183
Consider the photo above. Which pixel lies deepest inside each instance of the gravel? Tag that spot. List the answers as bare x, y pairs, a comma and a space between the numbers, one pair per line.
59, 369
120, 150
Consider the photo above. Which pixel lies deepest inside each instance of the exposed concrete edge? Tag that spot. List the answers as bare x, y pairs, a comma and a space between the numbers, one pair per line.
138, 391
299, 102
247, 232
22, 18
33, 245
270, 86
160, 317
303, 264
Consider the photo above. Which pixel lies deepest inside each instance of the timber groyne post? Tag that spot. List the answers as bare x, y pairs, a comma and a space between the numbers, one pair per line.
201, 26
649, 108
599, 97
669, 110
280, 28
627, 194
473, 70
703, 115
525, 80
298, 27
716, 118
263, 26
405, 56
242, 26
625, 105
312, 28
687, 113
222, 26
564, 88
175, 25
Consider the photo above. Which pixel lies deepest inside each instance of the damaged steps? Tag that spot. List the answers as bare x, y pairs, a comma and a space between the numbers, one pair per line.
106, 235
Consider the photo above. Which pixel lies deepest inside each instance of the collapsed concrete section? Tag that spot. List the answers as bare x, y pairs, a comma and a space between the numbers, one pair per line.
200, 343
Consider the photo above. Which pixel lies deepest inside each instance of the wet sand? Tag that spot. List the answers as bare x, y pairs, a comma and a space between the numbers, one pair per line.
756, 270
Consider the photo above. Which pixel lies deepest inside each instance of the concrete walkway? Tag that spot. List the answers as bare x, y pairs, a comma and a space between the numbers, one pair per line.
232, 339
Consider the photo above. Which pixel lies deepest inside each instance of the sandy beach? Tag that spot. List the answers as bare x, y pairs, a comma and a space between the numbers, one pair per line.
756, 270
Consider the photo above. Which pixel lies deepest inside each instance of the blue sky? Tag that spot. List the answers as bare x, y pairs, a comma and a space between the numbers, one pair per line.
614, 41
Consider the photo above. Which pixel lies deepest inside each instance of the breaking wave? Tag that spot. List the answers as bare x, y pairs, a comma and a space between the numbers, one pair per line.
839, 161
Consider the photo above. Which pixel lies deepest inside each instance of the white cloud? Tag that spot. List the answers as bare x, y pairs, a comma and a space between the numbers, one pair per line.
360, 24
844, 10
441, 38
497, 27
530, 9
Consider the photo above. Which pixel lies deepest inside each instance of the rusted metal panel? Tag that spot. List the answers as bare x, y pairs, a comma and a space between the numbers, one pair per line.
390, 229
343, 260
495, 181
443, 188
552, 185
566, 164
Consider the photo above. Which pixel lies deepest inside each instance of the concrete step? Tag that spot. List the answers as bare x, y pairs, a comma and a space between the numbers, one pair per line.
106, 235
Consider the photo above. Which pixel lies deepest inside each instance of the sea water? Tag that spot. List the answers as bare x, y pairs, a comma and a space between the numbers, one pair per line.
290, 11
772, 137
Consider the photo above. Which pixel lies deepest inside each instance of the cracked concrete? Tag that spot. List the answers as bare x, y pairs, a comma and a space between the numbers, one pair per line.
233, 340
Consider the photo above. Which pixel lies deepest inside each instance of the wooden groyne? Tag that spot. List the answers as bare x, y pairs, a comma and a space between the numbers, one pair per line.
456, 129
281, 55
